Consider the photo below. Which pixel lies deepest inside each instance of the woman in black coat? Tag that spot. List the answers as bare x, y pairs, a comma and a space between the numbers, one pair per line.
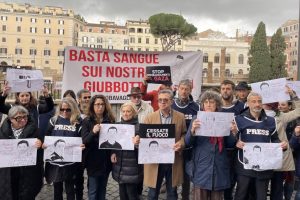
126, 170
21, 183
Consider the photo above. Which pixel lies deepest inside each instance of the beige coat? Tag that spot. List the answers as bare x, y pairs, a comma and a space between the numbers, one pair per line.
281, 122
151, 170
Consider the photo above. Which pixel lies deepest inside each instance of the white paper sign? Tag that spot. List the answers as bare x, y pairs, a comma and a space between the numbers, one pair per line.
22, 80
17, 152
214, 124
156, 150
62, 149
262, 156
116, 136
294, 85
272, 90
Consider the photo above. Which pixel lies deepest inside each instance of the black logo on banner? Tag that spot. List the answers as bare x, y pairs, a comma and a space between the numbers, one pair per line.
157, 130
159, 74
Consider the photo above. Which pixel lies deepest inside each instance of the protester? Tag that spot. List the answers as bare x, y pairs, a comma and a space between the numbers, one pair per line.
97, 161
189, 108
126, 170
254, 126
65, 123
70, 93
27, 100
230, 105
83, 99
21, 182
209, 168
242, 91
153, 95
173, 173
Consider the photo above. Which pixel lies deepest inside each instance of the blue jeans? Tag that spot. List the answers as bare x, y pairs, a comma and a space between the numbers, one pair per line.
97, 187
164, 170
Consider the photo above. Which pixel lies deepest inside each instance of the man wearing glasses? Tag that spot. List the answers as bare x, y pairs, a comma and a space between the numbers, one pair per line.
173, 173
83, 99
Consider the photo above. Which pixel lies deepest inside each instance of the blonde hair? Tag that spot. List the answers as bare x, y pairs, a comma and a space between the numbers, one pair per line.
132, 106
75, 113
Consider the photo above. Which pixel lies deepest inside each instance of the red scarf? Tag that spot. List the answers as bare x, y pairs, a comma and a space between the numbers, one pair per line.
215, 140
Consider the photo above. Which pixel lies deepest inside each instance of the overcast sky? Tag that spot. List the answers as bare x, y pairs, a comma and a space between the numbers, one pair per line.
219, 15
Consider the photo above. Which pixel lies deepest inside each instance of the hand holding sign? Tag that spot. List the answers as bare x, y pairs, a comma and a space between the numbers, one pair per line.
158, 74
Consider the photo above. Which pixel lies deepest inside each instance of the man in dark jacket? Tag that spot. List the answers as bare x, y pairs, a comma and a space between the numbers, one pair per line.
256, 127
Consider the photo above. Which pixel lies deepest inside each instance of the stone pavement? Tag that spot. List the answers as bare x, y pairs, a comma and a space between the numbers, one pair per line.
112, 192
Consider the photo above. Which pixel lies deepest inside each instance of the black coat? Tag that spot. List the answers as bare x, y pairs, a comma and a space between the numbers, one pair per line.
127, 169
29, 179
96, 161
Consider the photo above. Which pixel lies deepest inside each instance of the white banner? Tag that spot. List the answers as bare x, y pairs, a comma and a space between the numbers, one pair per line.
216, 124
17, 152
62, 149
114, 72
262, 156
116, 136
22, 80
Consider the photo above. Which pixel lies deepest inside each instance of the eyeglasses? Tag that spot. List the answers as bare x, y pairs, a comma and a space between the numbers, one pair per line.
19, 118
87, 97
163, 100
99, 104
136, 96
65, 110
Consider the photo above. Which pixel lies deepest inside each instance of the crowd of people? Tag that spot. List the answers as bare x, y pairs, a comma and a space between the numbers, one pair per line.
214, 165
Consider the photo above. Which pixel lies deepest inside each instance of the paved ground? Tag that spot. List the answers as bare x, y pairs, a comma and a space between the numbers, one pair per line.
111, 194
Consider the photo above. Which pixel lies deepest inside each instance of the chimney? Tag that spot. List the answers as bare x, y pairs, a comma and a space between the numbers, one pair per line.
222, 64
209, 72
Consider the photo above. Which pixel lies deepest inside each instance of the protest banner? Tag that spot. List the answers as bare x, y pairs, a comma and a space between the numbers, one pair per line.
159, 74
17, 152
114, 72
22, 80
156, 143
116, 136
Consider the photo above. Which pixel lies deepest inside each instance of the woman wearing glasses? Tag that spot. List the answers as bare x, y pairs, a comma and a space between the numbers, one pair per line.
97, 161
23, 182
65, 123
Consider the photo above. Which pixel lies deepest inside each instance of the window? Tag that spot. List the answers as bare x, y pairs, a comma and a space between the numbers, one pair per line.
139, 40
205, 58
47, 52
61, 43
3, 50
179, 42
60, 62
204, 72
101, 31
47, 62
61, 31
3, 27
139, 30
294, 62
32, 52
90, 30
139, 49
126, 41
32, 41
227, 73
99, 46
61, 53
92, 46
132, 30
18, 28
227, 58
241, 59
18, 19
217, 58
18, 61
33, 20
85, 39
147, 49
240, 72
32, 61
85, 45
60, 22
47, 41
126, 48
47, 21
132, 40
18, 51
99, 39
147, 40
92, 40
3, 39
155, 41
3, 18
18, 40
110, 47
47, 30
113, 31
216, 72
123, 32
33, 30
